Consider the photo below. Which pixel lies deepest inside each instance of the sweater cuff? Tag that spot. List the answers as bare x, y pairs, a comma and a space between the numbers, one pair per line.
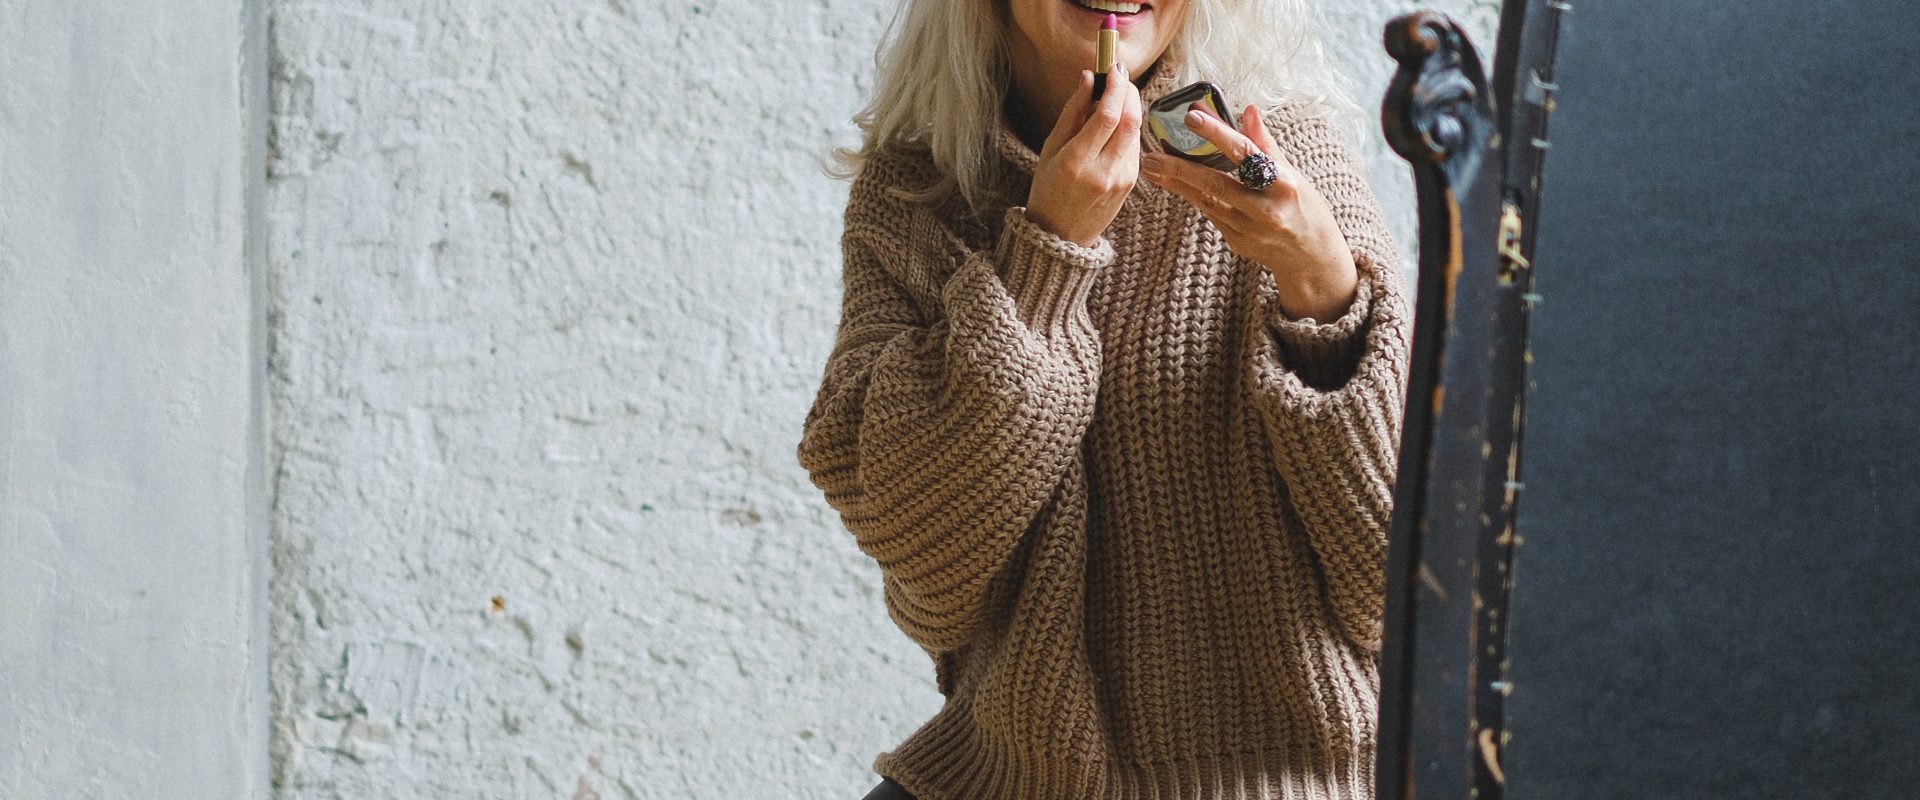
1324, 354
1047, 276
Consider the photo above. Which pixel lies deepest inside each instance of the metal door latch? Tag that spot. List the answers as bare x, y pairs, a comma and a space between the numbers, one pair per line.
1511, 261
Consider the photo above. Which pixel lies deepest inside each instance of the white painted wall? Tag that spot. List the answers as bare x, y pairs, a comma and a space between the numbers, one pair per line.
552, 286
132, 502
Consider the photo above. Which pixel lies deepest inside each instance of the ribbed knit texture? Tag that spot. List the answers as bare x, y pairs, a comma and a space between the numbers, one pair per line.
1135, 514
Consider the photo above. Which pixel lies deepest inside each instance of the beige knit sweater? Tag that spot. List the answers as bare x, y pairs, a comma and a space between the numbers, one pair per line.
1135, 514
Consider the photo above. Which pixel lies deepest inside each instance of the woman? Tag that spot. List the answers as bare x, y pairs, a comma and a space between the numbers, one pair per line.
1123, 450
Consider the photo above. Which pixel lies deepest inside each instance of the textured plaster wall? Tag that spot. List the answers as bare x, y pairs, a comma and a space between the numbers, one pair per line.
552, 286
132, 494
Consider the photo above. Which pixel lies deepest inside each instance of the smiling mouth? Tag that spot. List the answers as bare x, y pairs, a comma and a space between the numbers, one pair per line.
1108, 7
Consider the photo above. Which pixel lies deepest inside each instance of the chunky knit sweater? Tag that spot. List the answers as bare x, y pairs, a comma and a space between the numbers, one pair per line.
1135, 514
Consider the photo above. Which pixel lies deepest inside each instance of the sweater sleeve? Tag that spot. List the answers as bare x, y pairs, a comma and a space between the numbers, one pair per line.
1331, 393
940, 441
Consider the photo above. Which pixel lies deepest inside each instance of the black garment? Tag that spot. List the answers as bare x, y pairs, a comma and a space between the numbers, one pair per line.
888, 790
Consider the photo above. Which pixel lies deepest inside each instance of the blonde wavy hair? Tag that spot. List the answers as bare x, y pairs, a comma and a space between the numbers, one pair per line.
942, 73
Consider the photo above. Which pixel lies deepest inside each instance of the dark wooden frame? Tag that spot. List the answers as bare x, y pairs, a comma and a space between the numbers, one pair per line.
1477, 158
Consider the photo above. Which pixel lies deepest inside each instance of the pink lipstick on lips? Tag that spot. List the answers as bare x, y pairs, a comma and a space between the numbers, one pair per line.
1108, 40
1118, 8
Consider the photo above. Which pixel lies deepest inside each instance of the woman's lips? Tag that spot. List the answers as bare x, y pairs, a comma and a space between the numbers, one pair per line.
1124, 21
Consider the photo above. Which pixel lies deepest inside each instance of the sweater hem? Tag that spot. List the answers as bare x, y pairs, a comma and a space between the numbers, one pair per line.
947, 760
1324, 354
1047, 276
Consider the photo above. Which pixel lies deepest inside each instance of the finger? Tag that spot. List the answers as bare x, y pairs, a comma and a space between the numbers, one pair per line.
1125, 142
1211, 128
1072, 115
1165, 170
1210, 206
1255, 127
1106, 116
1213, 192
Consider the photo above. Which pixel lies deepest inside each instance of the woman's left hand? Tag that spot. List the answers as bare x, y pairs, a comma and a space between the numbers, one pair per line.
1288, 227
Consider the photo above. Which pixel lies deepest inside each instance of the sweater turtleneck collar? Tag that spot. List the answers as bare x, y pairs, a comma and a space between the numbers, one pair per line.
1160, 82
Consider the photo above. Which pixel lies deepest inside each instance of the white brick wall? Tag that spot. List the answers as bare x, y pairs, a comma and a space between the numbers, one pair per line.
552, 283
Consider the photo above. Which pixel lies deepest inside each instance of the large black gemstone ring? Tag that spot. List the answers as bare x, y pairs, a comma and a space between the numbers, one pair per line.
1257, 171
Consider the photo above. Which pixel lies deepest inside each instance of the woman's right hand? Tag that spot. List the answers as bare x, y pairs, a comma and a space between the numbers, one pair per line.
1089, 163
